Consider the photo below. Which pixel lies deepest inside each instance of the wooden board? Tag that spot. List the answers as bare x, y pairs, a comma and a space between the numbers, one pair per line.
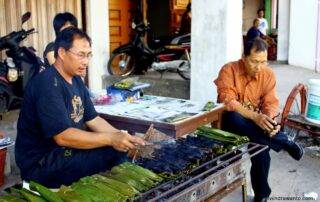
177, 8
119, 22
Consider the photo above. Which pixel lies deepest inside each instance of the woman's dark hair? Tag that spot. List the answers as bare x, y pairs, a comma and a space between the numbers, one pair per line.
258, 44
61, 19
66, 37
260, 10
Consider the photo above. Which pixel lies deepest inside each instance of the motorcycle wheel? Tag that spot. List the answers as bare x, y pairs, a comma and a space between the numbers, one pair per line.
4, 97
121, 64
3, 104
184, 70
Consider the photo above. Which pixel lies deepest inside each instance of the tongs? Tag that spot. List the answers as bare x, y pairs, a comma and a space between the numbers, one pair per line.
153, 140
149, 147
155, 144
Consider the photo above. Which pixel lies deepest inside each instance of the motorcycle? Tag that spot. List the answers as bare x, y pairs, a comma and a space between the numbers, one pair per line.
18, 68
137, 57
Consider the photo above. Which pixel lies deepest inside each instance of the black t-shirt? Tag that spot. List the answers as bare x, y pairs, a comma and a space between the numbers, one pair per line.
51, 105
253, 33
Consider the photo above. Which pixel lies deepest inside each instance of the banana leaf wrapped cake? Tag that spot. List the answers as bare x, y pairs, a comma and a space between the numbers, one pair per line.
171, 163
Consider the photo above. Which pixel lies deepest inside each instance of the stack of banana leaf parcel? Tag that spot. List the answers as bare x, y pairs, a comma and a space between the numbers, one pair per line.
128, 181
122, 183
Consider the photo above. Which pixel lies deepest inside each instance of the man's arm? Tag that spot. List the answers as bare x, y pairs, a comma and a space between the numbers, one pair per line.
98, 124
103, 135
267, 38
267, 26
270, 101
80, 139
262, 120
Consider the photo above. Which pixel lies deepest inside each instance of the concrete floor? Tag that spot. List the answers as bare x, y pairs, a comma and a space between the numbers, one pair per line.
288, 178
8, 124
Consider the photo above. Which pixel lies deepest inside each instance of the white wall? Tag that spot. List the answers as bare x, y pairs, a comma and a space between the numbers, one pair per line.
318, 40
303, 29
234, 34
98, 30
216, 40
283, 30
274, 12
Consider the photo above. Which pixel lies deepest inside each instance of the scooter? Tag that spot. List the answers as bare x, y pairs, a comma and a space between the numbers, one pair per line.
20, 66
137, 57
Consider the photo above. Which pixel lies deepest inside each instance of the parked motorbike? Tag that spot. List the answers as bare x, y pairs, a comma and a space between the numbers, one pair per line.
137, 57
18, 68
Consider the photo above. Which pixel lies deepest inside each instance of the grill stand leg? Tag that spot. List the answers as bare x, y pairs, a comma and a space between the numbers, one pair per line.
244, 191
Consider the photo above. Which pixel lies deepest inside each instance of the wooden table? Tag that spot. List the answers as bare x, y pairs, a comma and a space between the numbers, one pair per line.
176, 129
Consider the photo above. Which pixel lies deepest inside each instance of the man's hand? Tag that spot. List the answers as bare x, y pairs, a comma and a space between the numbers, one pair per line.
123, 141
264, 122
275, 130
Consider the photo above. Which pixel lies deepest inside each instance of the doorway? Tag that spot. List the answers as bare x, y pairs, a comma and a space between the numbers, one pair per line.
120, 17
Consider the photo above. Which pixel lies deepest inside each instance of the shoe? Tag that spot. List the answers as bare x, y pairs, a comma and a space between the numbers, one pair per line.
260, 199
295, 150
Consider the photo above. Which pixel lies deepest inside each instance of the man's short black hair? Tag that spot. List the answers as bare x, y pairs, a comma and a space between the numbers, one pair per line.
66, 37
258, 44
188, 8
255, 20
61, 19
260, 10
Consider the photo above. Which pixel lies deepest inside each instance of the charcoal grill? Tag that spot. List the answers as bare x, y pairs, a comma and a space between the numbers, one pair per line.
207, 179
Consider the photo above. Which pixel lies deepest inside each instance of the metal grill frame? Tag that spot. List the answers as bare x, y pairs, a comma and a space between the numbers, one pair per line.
211, 180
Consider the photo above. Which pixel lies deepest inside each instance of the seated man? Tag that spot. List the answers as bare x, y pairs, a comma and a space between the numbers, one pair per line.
185, 24
247, 87
254, 32
52, 146
60, 22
